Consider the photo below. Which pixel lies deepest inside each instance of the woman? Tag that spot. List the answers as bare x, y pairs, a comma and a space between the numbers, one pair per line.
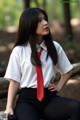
25, 66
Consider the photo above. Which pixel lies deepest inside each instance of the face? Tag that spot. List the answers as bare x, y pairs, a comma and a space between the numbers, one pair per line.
42, 28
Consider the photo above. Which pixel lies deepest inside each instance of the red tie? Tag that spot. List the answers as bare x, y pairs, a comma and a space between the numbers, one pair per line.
40, 84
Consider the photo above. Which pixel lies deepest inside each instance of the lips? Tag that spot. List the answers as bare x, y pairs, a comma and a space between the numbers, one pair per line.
46, 28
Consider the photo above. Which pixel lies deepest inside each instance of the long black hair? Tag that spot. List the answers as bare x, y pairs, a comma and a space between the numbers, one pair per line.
27, 31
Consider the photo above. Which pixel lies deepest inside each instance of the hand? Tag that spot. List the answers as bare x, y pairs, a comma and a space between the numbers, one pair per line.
9, 111
53, 87
11, 117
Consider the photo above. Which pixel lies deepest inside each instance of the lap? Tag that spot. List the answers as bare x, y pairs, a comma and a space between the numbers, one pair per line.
51, 107
25, 111
61, 107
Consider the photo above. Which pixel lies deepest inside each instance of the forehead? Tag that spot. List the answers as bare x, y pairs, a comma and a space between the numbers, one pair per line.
41, 15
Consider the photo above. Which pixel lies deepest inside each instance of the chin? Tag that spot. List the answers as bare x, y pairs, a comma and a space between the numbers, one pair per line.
46, 33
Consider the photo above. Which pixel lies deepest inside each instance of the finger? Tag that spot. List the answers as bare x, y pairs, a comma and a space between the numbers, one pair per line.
51, 85
9, 112
52, 90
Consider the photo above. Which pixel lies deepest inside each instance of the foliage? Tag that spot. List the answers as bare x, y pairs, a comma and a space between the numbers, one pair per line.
9, 12
70, 45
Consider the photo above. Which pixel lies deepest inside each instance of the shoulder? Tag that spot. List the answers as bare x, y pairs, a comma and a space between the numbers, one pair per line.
17, 50
57, 45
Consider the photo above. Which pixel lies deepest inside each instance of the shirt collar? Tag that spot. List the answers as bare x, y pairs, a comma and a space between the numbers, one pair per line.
37, 46
43, 45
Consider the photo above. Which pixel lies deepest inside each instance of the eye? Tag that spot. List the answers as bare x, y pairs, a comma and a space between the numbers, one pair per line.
45, 18
39, 20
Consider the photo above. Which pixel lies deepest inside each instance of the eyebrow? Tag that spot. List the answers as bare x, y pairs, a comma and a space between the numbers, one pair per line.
41, 17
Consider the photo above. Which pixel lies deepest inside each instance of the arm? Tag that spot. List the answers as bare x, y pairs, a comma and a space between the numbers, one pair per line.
12, 91
63, 80
64, 67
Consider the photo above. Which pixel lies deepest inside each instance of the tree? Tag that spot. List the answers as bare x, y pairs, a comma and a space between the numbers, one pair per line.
67, 17
27, 3
44, 4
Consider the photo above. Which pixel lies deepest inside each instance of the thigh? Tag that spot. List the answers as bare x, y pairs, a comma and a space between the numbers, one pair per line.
61, 108
26, 111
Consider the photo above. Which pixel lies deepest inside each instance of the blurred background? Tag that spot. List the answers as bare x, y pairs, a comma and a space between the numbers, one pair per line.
64, 21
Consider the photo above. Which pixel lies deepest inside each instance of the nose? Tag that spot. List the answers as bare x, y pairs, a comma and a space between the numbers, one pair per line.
45, 22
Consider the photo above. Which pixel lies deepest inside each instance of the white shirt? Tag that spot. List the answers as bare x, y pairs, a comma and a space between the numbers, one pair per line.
20, 68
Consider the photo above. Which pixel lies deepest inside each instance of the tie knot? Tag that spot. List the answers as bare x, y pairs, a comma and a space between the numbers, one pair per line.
39, 53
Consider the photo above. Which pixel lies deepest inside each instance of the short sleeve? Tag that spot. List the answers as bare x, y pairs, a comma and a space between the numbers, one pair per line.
13, 70
63, 64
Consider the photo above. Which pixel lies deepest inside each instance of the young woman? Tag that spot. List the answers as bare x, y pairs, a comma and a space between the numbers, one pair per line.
25, 66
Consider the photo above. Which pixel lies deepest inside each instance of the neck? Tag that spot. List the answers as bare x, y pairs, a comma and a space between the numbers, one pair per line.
39, 40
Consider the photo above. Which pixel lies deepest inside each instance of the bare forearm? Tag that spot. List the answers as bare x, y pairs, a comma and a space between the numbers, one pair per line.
13, 88
63, 80
57, 87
